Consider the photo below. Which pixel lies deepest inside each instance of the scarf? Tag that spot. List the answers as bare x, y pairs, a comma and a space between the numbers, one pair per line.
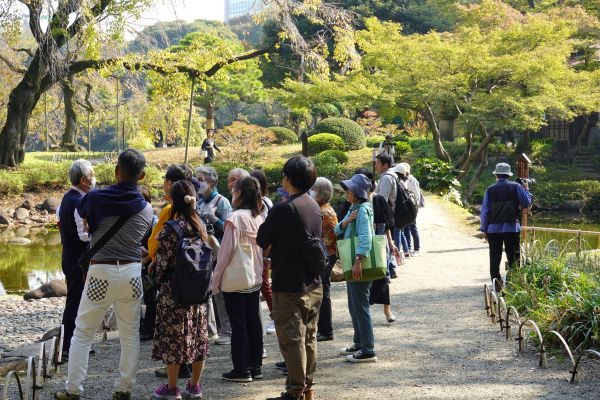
114, 201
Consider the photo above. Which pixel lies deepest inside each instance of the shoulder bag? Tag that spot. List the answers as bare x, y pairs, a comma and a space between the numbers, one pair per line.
239, 273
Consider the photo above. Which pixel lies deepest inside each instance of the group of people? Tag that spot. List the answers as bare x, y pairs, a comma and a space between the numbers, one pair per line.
117, 253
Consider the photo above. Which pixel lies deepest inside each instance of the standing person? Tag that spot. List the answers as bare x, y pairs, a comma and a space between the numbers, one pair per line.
234, 175
213, 207
388, 188
114, 277
361, 215
181, 331
388, 147
297, 293
500, 219
322, 192
243, 305
209, 146
265, 289
147, 324
404, 239
74, 241
414, 190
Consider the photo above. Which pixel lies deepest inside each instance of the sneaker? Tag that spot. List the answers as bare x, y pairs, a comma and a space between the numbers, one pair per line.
121, 396
184, 372
163, 392
393, 275
256, 373
407, 254
415, 253
264, 354
349, 350
213, 337
360, 357
235, 376
223, 340
193, 392
282, 367
271, 328
64, 395
324, 338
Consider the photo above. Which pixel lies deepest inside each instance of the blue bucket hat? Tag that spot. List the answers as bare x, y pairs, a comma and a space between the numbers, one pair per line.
359, 184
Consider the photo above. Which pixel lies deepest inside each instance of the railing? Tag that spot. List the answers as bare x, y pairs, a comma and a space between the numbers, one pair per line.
506, 317
578, 233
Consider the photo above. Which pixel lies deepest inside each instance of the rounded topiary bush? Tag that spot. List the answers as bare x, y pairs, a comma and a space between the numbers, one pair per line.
348, 130
339, 155
374, 141
324, 141
328, 166
402, 148
284, 135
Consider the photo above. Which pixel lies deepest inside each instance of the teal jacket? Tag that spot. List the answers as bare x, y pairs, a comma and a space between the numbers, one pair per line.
364, 227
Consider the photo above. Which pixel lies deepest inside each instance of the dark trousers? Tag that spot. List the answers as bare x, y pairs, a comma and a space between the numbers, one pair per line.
325, 324
75, 284
411, 230
246, 330
511, 242
147, 325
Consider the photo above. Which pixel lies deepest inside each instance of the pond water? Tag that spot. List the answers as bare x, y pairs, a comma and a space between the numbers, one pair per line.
25, 267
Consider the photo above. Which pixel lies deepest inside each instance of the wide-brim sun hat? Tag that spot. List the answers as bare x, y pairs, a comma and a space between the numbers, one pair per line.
406, 167
359, 184
502, 169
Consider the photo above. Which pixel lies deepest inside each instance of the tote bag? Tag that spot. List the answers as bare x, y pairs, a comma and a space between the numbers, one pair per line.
239, 273
374, 265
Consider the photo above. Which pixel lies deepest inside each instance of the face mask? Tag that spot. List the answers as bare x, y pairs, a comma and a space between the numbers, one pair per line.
203, 188
312, 193
93, 183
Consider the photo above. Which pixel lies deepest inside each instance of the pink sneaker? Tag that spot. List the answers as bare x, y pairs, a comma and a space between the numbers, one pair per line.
193, 392
163, 392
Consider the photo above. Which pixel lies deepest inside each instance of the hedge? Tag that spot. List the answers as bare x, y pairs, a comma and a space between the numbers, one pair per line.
328, 166
402, 149
324, 141
284, 135
352, 134
374, 141
339, 155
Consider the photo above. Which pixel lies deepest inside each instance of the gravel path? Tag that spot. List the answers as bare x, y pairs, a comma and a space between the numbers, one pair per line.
442, 346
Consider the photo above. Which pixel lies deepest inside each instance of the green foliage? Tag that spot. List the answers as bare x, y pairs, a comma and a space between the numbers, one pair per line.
339, 155
141, 142
284, 135
273, 172
374, 141
245, 140
541, 149
559, 292
552, 194
325, 141
402, 149
435, 175
328, 166
422, 148
324, 110
348, 130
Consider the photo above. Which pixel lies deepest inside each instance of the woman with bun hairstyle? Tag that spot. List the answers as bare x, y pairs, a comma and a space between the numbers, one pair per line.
181, 332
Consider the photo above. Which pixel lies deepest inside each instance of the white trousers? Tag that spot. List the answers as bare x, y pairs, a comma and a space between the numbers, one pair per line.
106, 285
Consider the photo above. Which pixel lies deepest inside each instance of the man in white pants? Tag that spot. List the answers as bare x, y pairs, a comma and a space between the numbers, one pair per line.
114, 276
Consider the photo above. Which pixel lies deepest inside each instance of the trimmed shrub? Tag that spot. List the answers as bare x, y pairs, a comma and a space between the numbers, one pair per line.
348, 130
328, 166
324, 141
339, 155
402, 149
374, 141
284, 135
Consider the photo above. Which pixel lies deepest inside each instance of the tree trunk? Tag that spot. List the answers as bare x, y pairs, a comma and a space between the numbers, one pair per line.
69, 138
468, 149
13, 136
483, 164
466, 167
210, 115
440, 151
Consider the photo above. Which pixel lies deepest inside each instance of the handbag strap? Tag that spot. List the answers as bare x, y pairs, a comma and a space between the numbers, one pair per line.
352, 245
108, 235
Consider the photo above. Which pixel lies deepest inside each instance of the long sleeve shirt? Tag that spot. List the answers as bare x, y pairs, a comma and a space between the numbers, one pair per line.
163, 218
387, 188
81, 232
523, 198
364, 228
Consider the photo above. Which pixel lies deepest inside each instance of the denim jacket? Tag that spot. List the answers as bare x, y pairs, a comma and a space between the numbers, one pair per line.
364, 227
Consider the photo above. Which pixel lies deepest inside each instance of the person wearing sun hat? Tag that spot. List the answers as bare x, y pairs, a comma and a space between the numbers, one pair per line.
500, 219
361, 214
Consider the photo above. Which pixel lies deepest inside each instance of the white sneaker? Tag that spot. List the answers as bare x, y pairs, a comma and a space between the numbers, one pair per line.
223, 340
264, 355
415, 253
271, 328
213, 337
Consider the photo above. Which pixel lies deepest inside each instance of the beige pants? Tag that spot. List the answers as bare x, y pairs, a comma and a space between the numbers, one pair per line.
296, 316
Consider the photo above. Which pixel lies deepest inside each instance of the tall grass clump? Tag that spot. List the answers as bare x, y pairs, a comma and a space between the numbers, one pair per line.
560, 291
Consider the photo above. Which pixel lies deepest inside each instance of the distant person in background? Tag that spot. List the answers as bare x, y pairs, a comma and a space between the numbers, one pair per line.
209, 146
414, 190
74, 241
388, 147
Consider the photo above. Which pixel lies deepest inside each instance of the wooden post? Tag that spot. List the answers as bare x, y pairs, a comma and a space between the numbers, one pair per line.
189, 124
523, 163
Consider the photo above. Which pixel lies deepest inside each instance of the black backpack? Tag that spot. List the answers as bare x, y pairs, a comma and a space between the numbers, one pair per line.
312, 249
193, 272
405, 210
